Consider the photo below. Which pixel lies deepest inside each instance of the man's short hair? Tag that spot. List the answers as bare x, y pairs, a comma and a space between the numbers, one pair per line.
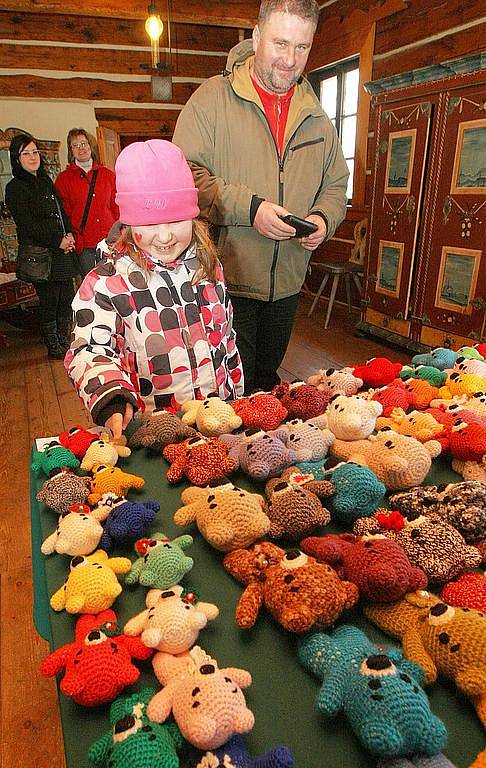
304, 9
80, 132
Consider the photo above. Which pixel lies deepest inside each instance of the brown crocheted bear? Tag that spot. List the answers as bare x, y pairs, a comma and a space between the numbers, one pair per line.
293, 508
159, 429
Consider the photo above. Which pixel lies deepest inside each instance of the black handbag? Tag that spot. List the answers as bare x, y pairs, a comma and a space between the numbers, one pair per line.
33, 263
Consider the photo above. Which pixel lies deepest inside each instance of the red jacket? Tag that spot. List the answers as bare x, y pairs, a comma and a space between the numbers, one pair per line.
73, 185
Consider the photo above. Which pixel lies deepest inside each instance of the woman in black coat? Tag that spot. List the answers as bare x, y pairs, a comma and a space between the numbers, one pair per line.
31, 199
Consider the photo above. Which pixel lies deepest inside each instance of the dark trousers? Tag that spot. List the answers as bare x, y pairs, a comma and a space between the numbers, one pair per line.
55, 300
263, 331
86, 261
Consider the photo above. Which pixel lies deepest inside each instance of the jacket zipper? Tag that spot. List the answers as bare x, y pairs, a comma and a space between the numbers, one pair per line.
308, 143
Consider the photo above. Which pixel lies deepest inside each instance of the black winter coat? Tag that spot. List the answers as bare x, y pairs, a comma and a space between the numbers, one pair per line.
32, 202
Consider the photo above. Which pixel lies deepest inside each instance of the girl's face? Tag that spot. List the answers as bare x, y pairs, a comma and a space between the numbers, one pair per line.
164, 242
29, 158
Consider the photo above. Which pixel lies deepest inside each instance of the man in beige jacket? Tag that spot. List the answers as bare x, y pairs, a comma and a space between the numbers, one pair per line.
260, 146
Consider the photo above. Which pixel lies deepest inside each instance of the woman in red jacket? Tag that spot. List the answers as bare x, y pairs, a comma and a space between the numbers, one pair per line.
87, 190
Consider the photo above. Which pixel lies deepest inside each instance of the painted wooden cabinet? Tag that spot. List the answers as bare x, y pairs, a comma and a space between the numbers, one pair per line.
426, 267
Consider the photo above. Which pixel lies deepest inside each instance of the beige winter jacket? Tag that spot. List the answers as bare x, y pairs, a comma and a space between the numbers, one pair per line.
225, 135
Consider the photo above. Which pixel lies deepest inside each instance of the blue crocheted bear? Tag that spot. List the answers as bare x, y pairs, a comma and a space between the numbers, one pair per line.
128, 521
234, 754
379, 691
440, 358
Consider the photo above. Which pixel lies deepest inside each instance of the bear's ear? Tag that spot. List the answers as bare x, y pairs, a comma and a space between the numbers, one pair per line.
334, 397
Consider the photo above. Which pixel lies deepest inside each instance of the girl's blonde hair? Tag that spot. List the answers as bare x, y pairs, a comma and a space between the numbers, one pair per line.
205, 251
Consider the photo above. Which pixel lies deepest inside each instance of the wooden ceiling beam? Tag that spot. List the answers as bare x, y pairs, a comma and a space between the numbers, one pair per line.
222, 13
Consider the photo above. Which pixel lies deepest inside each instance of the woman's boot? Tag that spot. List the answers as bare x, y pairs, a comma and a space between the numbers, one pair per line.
64, 327
50, 339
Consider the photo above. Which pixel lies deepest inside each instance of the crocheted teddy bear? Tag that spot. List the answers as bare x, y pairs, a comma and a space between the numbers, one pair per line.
207, 702
172, 620
467, 591
302, 401
234, 754
310, 439
440, 358
212, 416
199, 459
471, 470
471, 365
261, 454
159, 429
357, 492
467, 442
77, 439
114, 479
98, 664
472, 353
300, 593
377, 371
294, 505
477, 403
133, 741
227, 516
127, 521
336, 382
63, 490
425, 373
261, 409
379, 567
416, 761
352, 418
443, 639
91, 586
394, 396
78, 532
418, 424
430, 543
105, 451
53, 459
162, 563
379, 692
462, 384
398, 461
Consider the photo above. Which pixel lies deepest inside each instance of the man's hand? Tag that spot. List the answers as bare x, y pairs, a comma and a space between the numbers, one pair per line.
311, 242
119, 422
268, 222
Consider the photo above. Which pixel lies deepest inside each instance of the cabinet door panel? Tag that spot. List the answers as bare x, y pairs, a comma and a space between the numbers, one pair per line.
402, 138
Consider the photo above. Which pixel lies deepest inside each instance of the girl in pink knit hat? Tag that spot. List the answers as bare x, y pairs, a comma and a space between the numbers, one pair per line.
153, 321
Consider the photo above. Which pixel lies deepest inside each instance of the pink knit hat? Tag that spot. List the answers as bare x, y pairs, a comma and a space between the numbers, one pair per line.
154, 184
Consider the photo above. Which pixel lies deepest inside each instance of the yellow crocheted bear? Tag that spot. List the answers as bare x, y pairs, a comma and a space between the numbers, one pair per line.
421, 426
212, 416
111, 479
92, 585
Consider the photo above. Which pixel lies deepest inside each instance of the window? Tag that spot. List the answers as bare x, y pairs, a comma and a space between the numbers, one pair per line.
337, 89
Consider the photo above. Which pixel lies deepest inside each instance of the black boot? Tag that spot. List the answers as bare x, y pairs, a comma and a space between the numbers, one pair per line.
49, 337
64, 327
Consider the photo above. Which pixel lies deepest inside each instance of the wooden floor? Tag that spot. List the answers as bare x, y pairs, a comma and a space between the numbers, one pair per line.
36, 399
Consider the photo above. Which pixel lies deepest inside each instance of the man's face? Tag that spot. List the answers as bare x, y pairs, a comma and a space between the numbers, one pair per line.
282, 47
80, 148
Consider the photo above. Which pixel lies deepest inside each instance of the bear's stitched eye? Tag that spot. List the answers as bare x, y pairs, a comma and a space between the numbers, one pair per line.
440, 614
168, 593
77, 561
389, 444
378, 665
293, 558
95, 637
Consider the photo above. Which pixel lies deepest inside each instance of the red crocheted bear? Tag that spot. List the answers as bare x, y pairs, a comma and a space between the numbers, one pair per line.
98, 664
78, 440
302, 401
261, 410
467, 442
377, 371
392, 397
467, 591
200, 459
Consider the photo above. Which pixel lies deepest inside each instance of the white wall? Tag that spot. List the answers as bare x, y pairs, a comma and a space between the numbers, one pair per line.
48, 119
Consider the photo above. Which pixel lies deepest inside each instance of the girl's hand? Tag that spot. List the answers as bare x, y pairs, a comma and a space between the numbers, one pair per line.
120, 421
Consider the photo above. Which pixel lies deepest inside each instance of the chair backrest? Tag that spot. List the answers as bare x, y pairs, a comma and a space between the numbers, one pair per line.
359, 247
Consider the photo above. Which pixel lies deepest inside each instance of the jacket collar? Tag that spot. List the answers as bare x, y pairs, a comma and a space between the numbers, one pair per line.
188, 259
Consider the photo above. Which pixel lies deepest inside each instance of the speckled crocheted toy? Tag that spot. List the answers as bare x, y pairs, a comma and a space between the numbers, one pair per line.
98, 664
379, 691
91, 586
336, 382
309, 439
220, 709
261, 409
301, 400
440, 358
416, 761
430, 543
227, 516
162, 563
172, 620
467, 442
294, 504
63, 490
77, 439
418, 424
260, 454
212, 416
159, 429
377, 371
128, 521
392, 397
199, 459
78, 532
352, 418
234, 754
462, 505
53, 459
398, 461
467, 591
112, 479
104, 451
379, 567
357, 492
300, 593
133, 741
443, 639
